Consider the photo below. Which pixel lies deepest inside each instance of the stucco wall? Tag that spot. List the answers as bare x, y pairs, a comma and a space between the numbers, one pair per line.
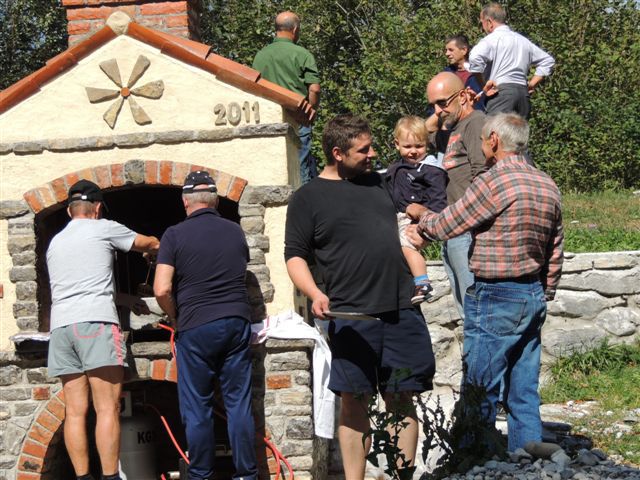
62, 109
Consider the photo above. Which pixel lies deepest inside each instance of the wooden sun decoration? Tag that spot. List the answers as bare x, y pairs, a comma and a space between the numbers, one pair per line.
152, 90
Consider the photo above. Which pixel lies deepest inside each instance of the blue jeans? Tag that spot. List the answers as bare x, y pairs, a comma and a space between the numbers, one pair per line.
217, 349
308, 169
455, 256
502, 325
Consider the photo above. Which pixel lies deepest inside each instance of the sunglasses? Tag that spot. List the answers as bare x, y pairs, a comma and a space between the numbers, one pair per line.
444, 102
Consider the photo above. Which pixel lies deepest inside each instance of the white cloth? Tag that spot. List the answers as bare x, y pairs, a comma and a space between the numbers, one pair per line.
505, 56
290, 325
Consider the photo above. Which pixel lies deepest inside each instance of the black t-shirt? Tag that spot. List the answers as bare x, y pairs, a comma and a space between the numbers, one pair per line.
349, 229
210, 255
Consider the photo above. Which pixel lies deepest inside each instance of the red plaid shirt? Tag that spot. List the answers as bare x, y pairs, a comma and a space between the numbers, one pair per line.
514, 211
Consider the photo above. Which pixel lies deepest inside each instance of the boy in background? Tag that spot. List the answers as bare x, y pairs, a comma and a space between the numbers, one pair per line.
415, 178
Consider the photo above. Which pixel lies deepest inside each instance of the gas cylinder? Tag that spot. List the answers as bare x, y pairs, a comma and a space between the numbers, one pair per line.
137, 448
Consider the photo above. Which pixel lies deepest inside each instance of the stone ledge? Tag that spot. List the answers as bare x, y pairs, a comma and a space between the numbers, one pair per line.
144, 139
292, 344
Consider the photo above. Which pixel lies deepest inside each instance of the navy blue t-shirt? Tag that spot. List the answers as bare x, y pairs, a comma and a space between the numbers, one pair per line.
210, 255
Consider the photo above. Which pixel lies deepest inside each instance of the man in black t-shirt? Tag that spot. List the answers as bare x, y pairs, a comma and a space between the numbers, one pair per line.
200, 285
344, 221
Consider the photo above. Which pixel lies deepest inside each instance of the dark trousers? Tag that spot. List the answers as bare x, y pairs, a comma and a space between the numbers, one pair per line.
217, 349
511, 97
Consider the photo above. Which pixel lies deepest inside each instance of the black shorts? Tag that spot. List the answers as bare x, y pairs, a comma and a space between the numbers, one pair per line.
393, 354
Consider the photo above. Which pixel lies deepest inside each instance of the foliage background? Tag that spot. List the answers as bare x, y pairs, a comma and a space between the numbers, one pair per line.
376, 56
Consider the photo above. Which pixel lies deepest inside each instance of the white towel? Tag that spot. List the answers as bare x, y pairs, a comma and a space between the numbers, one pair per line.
290, 325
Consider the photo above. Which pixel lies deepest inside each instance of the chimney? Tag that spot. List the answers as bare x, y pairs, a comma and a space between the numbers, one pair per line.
177, 17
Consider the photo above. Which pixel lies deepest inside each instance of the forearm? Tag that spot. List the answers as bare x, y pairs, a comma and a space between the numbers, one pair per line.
314, 95
145, 244
167, 305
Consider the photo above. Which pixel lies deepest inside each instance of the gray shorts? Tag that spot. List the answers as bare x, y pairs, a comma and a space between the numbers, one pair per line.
84, 346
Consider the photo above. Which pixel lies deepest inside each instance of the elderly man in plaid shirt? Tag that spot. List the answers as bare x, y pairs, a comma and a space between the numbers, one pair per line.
514, 212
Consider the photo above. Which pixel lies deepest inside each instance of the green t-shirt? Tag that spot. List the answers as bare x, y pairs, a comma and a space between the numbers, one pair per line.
288, 65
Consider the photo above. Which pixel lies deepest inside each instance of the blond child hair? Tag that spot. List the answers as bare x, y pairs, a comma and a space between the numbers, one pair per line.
411, 124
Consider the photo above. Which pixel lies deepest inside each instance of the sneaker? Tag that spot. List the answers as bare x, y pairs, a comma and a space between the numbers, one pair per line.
421, 293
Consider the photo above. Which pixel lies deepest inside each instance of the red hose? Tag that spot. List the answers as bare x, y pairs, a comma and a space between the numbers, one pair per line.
276, 453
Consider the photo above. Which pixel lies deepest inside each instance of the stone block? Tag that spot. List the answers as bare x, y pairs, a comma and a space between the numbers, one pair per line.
304, 462
23, 409
26, 290
449, 372
13, 208
268, 195
298, 447
24, 259
561, 342
299, 428
10, 375
142, 367
276, 427
28, 324
261, 272
252, 224
584, 305
443, 312
609, 283
22, 274
441, 339
249, 210
25, 309
269, 399
28, 147
621, 322
615, 261
256, 257
16, 393
302, 378
7, 461
258, 241
301, 397
578, 263
134, 171
13, 437
151, 349
40, 375
286, 361
290, 410
21, 243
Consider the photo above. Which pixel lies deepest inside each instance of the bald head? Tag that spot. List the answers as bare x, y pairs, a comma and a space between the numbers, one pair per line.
443, 85
287, 22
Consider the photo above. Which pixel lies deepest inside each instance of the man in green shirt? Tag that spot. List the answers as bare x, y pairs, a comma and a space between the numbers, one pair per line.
293, 67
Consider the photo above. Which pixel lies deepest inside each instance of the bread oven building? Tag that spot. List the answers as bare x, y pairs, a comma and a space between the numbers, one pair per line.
134, 104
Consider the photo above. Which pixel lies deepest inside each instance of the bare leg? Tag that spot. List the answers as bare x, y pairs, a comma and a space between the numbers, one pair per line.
76, 395
402, 403
106, 385
353, 423
416, 261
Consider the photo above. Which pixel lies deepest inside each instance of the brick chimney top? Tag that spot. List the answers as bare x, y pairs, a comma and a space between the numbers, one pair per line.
177, 17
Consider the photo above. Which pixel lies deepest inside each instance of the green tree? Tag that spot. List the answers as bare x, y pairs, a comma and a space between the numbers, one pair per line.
31, 32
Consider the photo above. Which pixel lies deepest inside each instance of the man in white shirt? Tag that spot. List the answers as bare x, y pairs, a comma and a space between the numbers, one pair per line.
504, 58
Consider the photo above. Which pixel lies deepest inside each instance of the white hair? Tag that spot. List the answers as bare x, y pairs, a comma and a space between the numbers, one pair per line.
511, 129
206, 197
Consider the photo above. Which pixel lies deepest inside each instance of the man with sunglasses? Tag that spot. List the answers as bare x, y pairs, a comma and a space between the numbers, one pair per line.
456, 128
504, 58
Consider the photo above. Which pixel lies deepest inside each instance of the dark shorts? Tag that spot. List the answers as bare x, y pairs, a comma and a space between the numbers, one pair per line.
393, 354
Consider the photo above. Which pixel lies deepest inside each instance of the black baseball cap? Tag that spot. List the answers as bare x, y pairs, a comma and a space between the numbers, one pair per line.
199, 177
85, 190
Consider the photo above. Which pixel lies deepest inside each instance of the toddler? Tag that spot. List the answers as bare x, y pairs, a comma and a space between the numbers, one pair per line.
415, 178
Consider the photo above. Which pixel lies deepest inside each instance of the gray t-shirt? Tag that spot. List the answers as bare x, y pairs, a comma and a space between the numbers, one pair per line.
80, 263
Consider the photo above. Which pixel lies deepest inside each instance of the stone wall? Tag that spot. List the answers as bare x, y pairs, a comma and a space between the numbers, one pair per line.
598, 298
32, 407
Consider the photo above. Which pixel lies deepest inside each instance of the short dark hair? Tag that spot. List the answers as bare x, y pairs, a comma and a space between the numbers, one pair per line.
340, 131
461, 42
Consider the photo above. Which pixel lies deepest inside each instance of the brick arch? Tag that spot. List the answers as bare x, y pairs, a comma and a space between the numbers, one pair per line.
132, 172
47, 426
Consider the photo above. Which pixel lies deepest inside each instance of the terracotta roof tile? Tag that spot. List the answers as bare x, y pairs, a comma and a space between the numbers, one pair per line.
188, 51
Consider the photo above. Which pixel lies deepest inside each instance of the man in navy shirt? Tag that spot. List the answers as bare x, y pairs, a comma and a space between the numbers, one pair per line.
200, 285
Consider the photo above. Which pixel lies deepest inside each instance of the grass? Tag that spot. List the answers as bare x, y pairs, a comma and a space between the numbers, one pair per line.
605, 221
611, 376
601, 221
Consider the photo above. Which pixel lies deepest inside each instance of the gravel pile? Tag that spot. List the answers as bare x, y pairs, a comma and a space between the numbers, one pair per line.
549, 461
